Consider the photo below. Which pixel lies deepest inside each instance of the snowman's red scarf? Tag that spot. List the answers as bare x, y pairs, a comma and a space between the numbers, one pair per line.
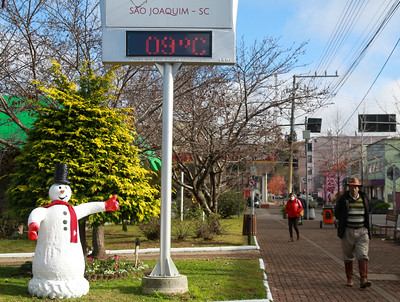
74, 219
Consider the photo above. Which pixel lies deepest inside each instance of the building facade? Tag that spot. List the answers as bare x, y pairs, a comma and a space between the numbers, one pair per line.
381, 158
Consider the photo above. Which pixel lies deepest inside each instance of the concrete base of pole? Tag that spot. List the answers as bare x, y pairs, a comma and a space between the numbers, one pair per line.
166, 285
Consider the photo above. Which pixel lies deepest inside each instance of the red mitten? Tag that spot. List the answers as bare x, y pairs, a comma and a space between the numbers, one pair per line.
33, 228
112, 204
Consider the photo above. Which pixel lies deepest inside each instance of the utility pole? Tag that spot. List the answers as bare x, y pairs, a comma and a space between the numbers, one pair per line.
291, 138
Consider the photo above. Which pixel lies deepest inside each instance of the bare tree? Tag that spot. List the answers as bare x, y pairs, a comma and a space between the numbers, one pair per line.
231, 119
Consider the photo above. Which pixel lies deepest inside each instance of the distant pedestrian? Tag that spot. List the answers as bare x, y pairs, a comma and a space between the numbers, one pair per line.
293, 209
351, 211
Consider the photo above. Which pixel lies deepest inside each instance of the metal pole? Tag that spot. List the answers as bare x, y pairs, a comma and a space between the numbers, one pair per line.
292, 122
307, 205
291, 138
165, 266
306, 154
182, 180
252, 200
249, 227
394, 190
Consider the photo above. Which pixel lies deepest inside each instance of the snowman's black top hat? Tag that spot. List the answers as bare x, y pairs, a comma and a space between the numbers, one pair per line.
61, 172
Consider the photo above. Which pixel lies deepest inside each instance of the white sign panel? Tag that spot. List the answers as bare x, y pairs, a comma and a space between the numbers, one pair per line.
171, 13
174, 31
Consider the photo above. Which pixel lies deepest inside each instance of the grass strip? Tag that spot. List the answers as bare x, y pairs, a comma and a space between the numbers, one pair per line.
216, 279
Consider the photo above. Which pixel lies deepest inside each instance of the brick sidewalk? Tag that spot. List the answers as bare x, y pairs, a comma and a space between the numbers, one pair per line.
312, 269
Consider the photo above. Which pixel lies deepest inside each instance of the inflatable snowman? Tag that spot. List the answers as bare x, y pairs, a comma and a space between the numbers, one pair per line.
58, 265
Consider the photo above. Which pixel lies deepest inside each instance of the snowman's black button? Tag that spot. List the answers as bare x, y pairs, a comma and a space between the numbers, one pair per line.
65, 213
65, 229
65, 222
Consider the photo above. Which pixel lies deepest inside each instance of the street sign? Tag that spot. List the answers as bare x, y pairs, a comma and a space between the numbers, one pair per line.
393, 171
252, 182
377, 123
314, 125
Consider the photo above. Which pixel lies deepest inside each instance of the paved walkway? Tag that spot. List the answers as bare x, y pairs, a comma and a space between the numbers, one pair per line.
312, 269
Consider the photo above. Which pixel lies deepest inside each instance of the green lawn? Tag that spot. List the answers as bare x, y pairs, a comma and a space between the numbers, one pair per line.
214, 279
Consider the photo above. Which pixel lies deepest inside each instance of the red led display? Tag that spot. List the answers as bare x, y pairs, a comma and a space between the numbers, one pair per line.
168, 44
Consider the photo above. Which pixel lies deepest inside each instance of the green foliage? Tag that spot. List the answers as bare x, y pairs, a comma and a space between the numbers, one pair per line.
181, 229
96, 141
111, 266
230, 203
208, 228
373, 202
151, 228
382, 206
378, 206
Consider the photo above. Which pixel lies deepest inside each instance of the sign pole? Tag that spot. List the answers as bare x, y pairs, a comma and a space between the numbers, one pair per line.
165, 266
394, 190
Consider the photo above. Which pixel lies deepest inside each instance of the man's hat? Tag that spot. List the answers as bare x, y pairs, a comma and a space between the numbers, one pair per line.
354, 182
61, 174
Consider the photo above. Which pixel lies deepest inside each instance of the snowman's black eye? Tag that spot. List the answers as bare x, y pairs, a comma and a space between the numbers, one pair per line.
60, 187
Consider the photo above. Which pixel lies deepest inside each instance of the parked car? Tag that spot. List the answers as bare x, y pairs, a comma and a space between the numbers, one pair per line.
256, 202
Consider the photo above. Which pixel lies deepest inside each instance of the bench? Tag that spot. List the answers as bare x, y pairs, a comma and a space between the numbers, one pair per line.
391, 223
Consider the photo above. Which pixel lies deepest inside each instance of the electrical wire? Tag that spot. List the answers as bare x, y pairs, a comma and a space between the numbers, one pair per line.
350, 15
373, 83
364, 50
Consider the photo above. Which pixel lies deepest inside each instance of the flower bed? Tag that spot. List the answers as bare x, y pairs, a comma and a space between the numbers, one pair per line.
111, 268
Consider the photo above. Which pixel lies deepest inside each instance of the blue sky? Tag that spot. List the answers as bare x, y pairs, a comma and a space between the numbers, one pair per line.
315, 21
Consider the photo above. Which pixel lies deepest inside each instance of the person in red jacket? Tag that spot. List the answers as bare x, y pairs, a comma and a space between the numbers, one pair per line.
293, 209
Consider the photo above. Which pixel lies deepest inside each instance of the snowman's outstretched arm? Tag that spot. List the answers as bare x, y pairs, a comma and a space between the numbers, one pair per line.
89, 208
34, 220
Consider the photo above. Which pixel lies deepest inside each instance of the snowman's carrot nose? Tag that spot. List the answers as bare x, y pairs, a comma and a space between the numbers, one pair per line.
62, 191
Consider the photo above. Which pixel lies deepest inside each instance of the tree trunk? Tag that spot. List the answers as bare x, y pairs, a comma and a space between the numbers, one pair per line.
82, 235
99, 250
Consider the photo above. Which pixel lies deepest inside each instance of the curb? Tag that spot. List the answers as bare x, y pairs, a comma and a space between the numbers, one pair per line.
156, 250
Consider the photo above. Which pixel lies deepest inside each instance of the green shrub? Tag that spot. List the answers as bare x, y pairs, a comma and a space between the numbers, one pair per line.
231, 203
194, 212
373, 203
202, 230
151, 228
208, 228
382, 206
181, 229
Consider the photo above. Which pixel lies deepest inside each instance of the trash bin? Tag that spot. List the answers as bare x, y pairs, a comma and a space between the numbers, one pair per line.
253, 218
327, 215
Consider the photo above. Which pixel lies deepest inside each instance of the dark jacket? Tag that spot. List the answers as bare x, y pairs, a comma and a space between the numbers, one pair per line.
342, 210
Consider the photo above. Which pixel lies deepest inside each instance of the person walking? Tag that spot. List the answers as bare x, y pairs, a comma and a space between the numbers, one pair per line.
293, 209
353, 229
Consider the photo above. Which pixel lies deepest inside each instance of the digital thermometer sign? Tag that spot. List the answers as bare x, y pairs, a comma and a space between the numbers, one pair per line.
189, 32
169, 43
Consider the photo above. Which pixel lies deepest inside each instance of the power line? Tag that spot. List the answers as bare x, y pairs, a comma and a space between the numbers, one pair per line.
363, 51
373, 83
